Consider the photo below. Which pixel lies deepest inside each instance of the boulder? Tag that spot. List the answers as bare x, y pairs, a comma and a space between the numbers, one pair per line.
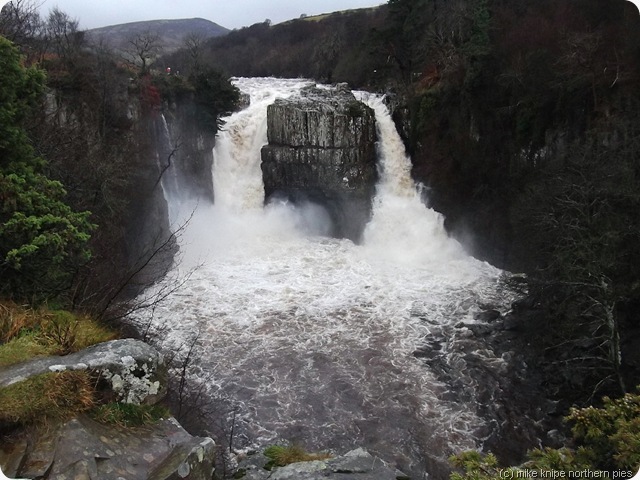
356, 464
322, 150
84, 449
133, 370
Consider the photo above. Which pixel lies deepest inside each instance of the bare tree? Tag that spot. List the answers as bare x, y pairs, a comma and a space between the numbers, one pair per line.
64, 34
193, 45
142, 50
585, 214
20, 22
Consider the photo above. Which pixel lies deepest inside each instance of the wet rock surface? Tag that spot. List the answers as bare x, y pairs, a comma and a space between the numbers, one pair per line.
84, 449
357, 464
133, 370
507, 384
322, 150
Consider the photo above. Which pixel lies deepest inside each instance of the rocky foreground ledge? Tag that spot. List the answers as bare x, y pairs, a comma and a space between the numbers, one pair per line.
83, 449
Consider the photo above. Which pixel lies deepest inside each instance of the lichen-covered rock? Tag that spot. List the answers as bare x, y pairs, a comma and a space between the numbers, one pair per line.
135, 371
322, 149
84, 449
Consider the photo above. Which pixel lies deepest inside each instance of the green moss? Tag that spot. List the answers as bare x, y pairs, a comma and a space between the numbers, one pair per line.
129, 415
23, 348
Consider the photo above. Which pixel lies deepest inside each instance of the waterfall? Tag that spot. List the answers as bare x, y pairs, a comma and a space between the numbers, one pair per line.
167, 171
313, 338
402, 227
237, 177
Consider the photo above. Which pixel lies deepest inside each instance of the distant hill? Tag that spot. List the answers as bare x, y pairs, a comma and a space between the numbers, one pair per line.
331, 47
171, 32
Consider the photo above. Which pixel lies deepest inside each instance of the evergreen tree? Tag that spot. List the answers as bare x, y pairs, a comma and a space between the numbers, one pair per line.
42, 241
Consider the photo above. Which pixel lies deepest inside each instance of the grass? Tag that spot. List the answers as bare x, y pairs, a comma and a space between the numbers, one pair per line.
47, 396
281, 455
129, 415
15, 318
21, 349
315, 18
26, 333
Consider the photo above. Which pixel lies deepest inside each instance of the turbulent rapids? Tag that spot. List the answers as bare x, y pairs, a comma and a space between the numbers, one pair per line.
313, 337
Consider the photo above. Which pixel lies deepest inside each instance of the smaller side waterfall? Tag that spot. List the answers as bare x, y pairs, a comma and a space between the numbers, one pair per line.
168, 175
402, 228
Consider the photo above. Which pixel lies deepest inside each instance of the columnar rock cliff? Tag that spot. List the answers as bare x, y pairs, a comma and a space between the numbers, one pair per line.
322, 149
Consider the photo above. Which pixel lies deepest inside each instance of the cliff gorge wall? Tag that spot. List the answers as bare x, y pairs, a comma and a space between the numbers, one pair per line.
322, 149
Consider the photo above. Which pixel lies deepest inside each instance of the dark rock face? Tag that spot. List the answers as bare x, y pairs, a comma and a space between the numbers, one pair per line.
322, 150
148, 233
190, 150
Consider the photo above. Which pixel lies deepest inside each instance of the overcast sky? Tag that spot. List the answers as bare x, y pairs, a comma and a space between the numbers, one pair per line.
227, 13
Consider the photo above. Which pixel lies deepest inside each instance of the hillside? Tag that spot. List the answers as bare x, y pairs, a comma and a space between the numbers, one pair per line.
329, 47
171, 32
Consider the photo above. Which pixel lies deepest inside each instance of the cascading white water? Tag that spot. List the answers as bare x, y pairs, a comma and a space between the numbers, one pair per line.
167, 171
237, 179
313, 337
402, 227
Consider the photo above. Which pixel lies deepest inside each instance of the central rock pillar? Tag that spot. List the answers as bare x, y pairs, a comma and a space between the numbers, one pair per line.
322, 150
